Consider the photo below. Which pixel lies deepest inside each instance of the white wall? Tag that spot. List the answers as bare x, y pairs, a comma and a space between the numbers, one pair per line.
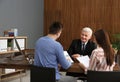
25, 15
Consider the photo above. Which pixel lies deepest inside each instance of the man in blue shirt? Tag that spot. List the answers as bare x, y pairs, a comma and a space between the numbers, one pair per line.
49, 53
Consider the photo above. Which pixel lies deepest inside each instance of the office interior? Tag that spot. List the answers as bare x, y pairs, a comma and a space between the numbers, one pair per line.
33, 17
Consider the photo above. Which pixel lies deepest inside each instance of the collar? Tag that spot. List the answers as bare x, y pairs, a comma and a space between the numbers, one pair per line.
85, 43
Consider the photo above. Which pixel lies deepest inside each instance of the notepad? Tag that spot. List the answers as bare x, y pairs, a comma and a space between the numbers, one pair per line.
84, 60
67, 56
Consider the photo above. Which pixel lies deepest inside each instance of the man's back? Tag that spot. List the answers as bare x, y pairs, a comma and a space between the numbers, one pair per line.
48, 53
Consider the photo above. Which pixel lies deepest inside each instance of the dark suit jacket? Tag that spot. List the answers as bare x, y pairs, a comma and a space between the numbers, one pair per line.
75, 48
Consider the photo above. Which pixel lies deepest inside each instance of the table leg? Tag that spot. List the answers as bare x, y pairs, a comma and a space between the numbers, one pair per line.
20, 76
0, 75
0, 78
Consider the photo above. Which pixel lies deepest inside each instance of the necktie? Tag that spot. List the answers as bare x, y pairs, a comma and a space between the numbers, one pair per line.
83, 47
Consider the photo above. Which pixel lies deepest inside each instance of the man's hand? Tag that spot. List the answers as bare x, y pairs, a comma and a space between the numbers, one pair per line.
75, 56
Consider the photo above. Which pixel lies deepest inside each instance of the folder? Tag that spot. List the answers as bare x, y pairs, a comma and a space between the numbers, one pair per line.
3, 45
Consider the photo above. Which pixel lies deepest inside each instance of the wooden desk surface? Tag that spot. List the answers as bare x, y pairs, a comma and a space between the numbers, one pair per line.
16, 64
23, 64
75, 68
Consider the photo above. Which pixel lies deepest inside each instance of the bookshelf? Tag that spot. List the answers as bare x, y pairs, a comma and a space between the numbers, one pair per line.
6, 42
8, 47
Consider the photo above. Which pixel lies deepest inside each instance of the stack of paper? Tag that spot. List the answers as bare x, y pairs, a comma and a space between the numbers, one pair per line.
68, 57
84, 60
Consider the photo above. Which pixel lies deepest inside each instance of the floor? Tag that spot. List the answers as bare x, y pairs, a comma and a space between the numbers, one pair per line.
25, 78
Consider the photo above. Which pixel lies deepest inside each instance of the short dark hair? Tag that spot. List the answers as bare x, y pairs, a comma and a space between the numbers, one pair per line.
55, 27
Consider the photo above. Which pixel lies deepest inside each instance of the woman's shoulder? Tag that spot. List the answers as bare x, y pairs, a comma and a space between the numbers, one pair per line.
98, 49
98, 52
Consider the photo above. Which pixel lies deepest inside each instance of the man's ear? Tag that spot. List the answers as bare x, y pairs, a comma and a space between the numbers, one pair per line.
59, 33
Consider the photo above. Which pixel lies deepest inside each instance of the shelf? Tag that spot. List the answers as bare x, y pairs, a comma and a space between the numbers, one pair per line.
8, 44
13, 74
6, 52
18, 37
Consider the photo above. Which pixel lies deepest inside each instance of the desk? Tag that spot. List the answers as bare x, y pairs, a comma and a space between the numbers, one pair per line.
23, 64
15, 64
74, 68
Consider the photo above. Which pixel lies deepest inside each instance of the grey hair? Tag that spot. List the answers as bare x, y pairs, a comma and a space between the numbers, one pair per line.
87, 29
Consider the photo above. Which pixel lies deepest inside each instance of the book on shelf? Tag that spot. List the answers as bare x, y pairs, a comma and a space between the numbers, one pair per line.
3, 45
21, 43
9, 70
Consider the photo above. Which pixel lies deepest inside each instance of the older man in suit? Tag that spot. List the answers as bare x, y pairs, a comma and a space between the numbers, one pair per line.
81, 47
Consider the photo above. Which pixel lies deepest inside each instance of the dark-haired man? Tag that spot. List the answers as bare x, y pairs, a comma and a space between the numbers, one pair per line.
49, 53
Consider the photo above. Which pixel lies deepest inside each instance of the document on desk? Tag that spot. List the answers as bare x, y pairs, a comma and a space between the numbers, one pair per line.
67, 56
84, 60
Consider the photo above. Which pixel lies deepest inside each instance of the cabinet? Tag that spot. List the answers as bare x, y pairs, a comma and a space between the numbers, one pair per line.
6, 42
8, 47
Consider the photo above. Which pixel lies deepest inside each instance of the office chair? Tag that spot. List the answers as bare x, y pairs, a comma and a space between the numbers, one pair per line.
82, 77
103, 76
42, 74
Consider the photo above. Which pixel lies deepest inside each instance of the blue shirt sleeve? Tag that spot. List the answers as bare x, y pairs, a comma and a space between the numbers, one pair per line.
61, 58
36, 60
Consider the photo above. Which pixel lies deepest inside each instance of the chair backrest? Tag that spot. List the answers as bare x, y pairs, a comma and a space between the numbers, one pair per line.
42, 74
103, 76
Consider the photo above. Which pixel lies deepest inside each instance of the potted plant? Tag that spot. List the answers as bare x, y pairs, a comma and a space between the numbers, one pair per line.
116, 42
116, 46
9, 45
